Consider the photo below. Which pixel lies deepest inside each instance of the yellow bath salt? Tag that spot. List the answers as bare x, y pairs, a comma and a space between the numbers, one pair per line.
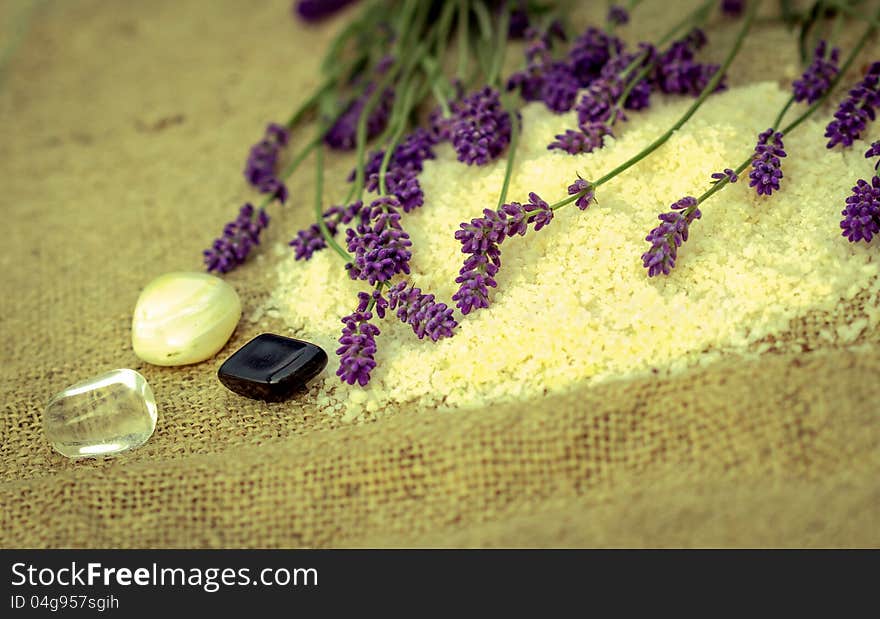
574, 303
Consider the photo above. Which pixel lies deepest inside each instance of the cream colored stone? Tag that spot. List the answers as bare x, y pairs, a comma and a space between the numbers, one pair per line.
105, 415
183, 318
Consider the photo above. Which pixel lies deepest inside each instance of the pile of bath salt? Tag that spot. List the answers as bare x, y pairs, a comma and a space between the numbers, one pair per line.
573, 302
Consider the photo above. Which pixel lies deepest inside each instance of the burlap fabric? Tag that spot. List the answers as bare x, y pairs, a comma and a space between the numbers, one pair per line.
124, 129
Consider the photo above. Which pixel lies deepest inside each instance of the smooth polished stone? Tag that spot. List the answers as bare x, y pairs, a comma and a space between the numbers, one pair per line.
272, 367
105, 415
183, 318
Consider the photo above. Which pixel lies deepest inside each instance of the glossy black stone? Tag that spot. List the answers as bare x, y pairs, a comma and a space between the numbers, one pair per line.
272, 367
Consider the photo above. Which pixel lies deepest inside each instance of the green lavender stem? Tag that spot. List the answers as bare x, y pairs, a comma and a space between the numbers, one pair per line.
500, 46
804, 116
319, 206
399, 121
511, 152
660, 141
463, 49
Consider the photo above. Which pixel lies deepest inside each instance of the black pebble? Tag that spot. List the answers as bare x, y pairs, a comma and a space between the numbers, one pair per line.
272, 367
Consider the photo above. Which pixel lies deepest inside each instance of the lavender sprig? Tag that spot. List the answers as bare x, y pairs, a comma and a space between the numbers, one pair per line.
481, 240
617, 15
856, 110
817, 78
357, 350
239, 236
480, 130
310, 240
342, 135
379, 243
260, 167
861, 215
666, 238
419, 310
766, 165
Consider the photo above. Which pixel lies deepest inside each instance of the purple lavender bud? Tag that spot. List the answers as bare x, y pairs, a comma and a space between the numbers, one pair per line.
732, 8
278, 134
861, 216
560, 88
584, 187
441, 126
766, 166
519, 22
817, 78
403, 166
481, 127
239, 236
481, 239
539, 212
874, 151
599, 104
275, 188
316, 10
615, 72
529, 83
577, 142
666, 238
260, 166
617, 15
421, 312
379, 243
856, 111
343, 134
676, 71
310, 240
729, 174
589, 53
357, 351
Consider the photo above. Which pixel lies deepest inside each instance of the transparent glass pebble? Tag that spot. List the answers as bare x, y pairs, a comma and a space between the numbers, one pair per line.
105, 415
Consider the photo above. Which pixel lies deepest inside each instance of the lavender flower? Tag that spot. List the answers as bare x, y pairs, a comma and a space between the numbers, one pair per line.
666, 238
854, 112
544, 79
239, 237
481, 239
421, 312
260, 167
816, 80
874, 151
582, 186
401, 183
599, 104
316, 10
861, 216
639, 96
357, 353
617, 15
676, 71
576, 142
481, 127
590, 52
411, 153
732, 8
379, 244
560, 88
519, 22
766, 166
540, 213
729, 174
310, 240
343, 134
